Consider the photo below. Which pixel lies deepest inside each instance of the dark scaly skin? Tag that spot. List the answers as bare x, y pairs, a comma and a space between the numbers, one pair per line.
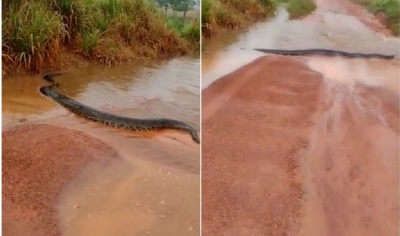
325, 52
132, 124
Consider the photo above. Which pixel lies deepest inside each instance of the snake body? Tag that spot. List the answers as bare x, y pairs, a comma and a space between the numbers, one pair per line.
132, 124
325, 52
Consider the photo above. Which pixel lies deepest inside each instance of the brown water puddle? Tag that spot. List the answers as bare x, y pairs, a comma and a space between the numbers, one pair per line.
143, 194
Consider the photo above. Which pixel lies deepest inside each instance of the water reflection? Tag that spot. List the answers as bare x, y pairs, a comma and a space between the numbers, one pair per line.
163, 89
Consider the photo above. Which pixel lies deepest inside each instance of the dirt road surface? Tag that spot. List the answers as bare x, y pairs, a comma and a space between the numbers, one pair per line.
302, 146
35, 173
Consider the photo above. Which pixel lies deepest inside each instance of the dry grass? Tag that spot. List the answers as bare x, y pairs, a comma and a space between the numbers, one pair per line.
232, 14
105, 32
235, 14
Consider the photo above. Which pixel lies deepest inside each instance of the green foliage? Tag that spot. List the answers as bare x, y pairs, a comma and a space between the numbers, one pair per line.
233, 14
207, 11
297, 8
31, 33
89, 40
188, 30
36, 31
390, 8
163, 3
72, 15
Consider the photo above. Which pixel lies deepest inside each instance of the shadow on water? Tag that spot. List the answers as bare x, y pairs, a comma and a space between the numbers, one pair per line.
325, 28
141, 194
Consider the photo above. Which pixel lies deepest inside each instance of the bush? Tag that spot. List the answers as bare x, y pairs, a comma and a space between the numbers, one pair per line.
297, 8
232, 14
39, 29
32, 33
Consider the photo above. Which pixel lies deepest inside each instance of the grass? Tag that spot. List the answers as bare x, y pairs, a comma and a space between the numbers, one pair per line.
37, 34
234, 14
390, 8
189, 30
297, 8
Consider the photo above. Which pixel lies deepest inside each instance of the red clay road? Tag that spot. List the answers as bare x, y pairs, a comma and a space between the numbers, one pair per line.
286, 153
39, 161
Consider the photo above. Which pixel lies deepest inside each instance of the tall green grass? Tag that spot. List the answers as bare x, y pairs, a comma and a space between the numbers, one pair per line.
186, 29
232, 14
32, 34
189, 30
37, 32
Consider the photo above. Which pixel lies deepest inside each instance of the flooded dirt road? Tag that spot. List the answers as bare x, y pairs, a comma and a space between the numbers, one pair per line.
303, 146
121, 183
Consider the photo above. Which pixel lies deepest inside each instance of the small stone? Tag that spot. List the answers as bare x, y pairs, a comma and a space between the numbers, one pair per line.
76, 206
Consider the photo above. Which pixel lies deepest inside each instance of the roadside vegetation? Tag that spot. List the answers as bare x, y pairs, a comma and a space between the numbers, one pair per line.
232, 14
297, 8
43, 34
389, 8
219, 15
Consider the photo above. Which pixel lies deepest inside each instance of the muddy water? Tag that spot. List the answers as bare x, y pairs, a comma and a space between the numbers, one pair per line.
328, 27
154, 188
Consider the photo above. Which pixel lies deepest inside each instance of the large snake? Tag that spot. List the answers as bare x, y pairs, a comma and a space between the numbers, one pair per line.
132, 124
325, 52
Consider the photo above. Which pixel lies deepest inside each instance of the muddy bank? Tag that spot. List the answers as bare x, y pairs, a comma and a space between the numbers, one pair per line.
372, 21
284, 148
39, 161
384, 12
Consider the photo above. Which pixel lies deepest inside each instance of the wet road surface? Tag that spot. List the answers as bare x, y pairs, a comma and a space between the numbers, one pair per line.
139, 191
301, 145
